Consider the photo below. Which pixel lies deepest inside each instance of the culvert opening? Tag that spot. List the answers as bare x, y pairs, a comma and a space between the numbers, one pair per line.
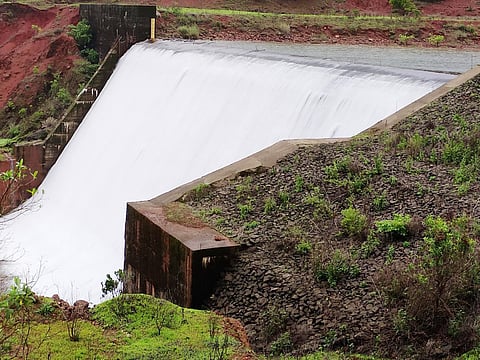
205, 277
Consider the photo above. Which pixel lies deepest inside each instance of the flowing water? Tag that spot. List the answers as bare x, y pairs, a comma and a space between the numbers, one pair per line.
173, 112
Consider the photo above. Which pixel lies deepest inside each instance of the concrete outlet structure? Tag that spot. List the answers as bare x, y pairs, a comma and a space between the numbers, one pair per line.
169, 253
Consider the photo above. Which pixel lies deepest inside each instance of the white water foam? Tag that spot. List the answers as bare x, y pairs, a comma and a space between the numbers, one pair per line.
170, 114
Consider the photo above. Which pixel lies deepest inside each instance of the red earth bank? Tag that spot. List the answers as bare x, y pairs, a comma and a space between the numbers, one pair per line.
32, 40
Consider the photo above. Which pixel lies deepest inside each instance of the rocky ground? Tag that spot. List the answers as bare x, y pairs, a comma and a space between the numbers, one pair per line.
271, 285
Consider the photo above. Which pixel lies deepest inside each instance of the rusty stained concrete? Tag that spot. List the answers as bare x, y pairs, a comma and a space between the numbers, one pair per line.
171, 259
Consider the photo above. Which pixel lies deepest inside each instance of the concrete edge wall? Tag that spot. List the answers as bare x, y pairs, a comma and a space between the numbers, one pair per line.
410, 109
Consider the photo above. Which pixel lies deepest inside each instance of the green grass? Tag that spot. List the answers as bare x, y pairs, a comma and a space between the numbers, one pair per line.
127, 328
52, 338
185, 335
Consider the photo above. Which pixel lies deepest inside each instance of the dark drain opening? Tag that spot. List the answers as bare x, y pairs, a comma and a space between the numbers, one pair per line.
206, 273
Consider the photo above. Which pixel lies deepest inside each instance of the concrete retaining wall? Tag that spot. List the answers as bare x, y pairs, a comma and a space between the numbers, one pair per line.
108, 22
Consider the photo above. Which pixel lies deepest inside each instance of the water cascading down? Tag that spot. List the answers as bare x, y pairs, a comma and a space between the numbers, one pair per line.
169, 114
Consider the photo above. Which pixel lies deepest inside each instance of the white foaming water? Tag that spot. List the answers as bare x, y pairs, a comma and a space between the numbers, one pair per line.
170, 114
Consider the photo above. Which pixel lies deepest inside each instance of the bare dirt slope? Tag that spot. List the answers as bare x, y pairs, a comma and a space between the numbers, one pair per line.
32, 41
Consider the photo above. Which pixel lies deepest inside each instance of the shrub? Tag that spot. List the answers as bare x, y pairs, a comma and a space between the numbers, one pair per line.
442, 283
322, 207
284, 197
189, 31
81, 33
396, 228
380, 201
85, 68
340, 266
201, 190
273, 322
407, 7
404, 38
22, 112
269, 205
436, 39
369, 246
91, 55
245, 188
46, 308
251, 225
353, 222
245, 210
303, 247
298, 183
281, 345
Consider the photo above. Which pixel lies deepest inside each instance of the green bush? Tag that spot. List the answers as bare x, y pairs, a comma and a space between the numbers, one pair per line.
353, 222
303, 247
282, 345
245, 210
298, 183
189, 31
322, 207
91, 55
370, 245
441, 284
405, 38
81, 33
436, 39
396, 228
269, 205
340, 266
406, 7
380, 202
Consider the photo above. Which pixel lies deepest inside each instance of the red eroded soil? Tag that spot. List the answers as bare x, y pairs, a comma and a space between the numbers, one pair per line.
32, 40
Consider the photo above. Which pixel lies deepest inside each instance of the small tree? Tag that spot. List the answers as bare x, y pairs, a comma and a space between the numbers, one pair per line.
16, 316
82, 34
113, 286
12, 182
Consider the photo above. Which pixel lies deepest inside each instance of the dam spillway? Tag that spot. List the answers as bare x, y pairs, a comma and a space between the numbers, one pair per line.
170, 113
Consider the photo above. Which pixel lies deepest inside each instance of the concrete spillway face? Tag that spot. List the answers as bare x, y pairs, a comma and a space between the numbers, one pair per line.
170, 114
